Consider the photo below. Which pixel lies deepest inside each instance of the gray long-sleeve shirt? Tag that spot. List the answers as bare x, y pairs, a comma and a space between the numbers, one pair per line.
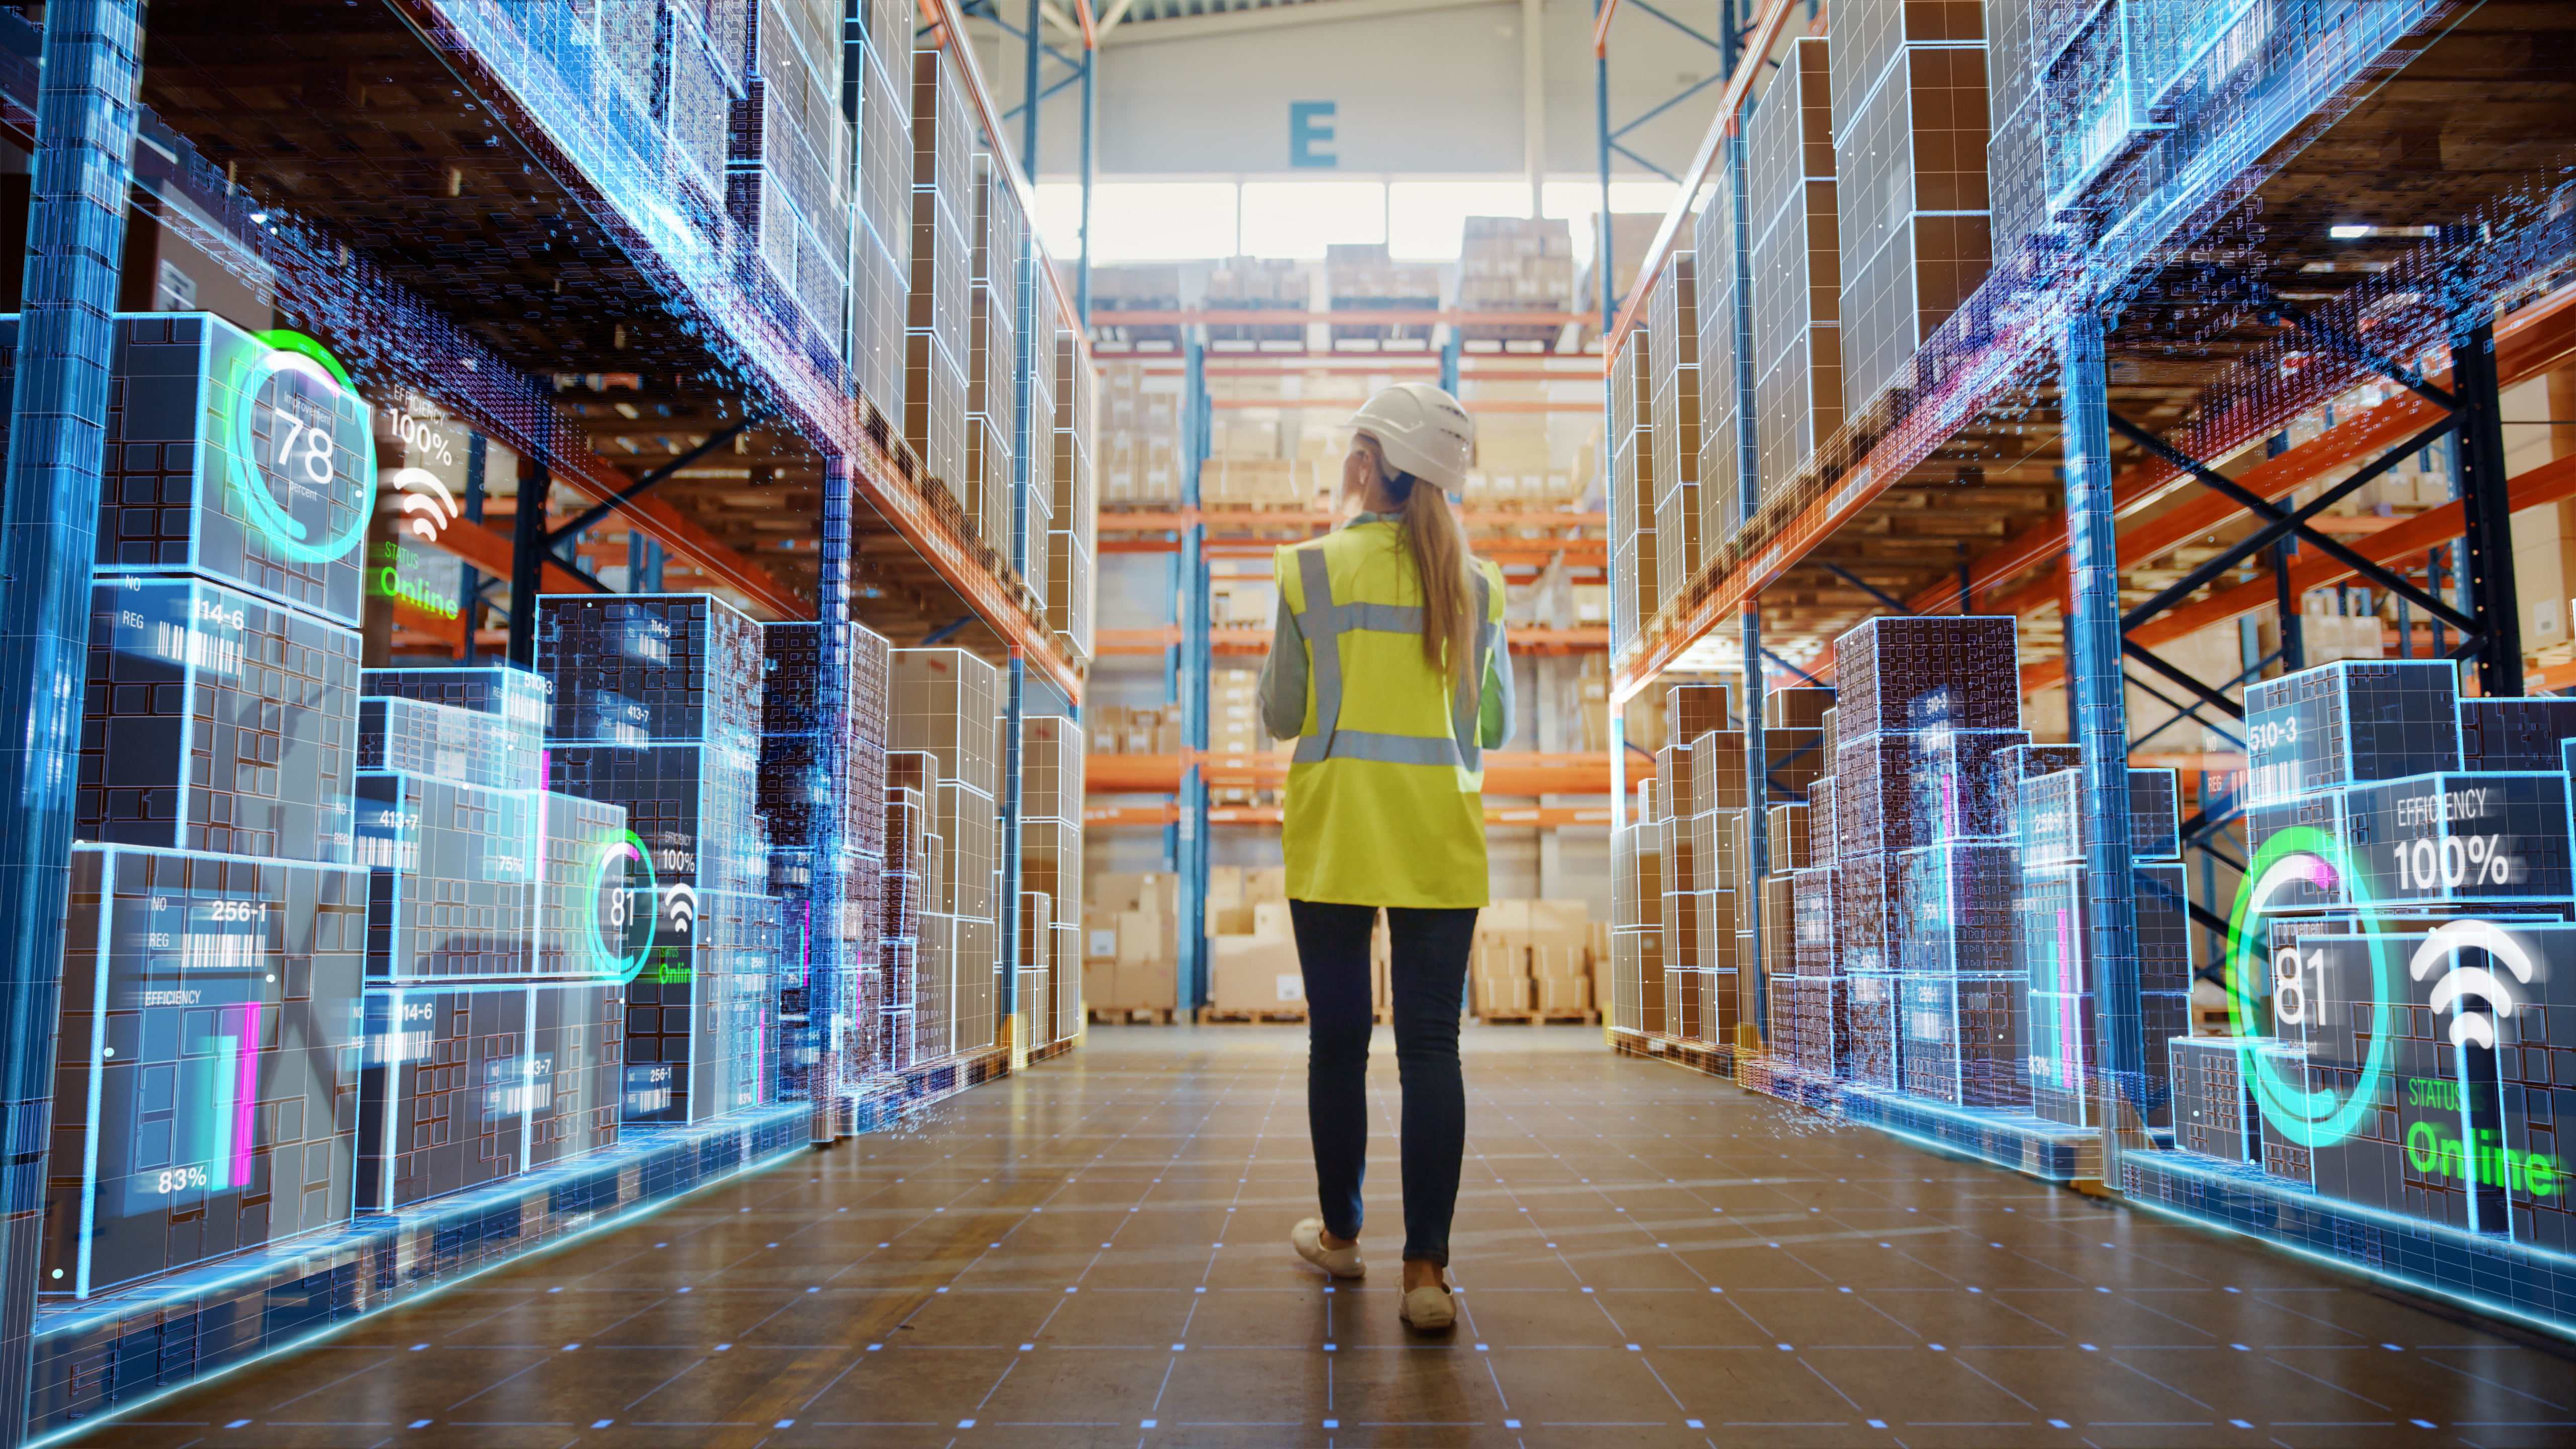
1283, 678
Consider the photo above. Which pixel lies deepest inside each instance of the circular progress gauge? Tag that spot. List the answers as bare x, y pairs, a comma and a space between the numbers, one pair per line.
302, 460
2301, 856
625, 898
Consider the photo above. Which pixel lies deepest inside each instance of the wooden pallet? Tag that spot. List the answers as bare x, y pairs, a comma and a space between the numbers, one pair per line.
1210, 1016
1129, 1015
1541, 1018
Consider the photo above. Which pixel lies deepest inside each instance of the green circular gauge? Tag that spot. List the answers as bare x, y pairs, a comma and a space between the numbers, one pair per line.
301, 454
2302, 855
623, 910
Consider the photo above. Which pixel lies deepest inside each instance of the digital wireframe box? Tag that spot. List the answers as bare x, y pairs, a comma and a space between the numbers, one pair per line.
475, 726
246, 459
469, 1084
216, 720
1928, 672
658, 706
2349, 723
207, 1090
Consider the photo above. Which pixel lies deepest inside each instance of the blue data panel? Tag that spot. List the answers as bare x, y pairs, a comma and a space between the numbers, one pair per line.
245, 458
657, 711
210, 1038
217, 720
2460, 838
468, 1085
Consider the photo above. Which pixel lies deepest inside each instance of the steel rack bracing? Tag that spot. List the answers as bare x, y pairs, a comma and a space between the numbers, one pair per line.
804, 387
1992, 347
2055, 363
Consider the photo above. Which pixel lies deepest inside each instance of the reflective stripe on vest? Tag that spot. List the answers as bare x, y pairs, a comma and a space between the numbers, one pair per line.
1323, 622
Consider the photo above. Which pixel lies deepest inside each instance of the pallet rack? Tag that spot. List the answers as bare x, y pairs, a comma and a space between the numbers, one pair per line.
1522, 541
2137, 329
467, 204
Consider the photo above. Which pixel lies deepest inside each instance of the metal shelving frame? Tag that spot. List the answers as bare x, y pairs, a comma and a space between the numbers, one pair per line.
95, 146
2043, 313
1194, 535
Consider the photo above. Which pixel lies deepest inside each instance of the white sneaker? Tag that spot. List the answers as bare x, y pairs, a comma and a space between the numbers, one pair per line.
1429, 1310
1308, 1239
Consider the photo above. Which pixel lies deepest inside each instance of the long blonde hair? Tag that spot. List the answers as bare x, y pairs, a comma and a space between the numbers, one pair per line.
1443, 564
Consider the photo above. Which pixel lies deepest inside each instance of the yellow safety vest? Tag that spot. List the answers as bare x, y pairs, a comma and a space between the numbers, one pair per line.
1385, 808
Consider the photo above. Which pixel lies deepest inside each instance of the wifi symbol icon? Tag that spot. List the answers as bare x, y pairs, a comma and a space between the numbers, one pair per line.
2460, 985
682, 904
427, 507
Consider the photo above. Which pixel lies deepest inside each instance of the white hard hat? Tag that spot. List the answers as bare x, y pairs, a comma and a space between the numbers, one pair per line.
1422, 431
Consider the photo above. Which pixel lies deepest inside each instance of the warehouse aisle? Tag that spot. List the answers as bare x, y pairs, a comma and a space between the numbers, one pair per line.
1095, 1254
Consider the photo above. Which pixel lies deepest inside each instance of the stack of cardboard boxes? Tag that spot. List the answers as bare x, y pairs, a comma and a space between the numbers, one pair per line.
1364, 279
1073, 521
1139, 458
944, 741
1245, 469
1130, 940
1136, 289
1243, 599
1126, 729
1252, 965
1631, 233
1235, 734
1535, 958
1638, 587
1249, 284
1050, 994
1515, 264
992, 359
1673, 424
936, 316
1911, 226
1539, 490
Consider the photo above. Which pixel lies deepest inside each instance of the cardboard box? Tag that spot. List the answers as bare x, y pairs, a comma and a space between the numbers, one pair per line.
1250, 974
1559, 916
1559, 962
1270, 921
1157, 892
1225, 887
1099, 934
1100, 984
1563, 995
1146, 985
1500, 992
1141, 936
1231, 921
1270, 883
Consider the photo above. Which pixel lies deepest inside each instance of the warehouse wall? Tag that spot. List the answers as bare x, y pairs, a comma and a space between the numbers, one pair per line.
1429, 93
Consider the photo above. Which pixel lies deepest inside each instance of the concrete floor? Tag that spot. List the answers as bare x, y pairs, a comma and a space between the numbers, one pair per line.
1095, 1253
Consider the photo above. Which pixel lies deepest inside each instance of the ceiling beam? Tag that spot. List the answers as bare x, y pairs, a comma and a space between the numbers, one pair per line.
1276, 17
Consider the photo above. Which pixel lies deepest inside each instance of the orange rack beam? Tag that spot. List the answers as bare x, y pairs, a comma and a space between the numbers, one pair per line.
2549, 483
2529, 343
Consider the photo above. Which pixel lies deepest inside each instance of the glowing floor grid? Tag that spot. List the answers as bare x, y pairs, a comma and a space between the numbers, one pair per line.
1095, 1253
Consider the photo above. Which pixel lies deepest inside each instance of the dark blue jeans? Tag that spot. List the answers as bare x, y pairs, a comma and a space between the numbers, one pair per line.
1430, 951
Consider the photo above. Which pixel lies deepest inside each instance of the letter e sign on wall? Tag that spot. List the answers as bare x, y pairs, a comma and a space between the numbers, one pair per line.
1310, 123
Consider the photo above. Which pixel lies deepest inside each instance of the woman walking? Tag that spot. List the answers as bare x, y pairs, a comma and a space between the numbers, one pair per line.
1387, 667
